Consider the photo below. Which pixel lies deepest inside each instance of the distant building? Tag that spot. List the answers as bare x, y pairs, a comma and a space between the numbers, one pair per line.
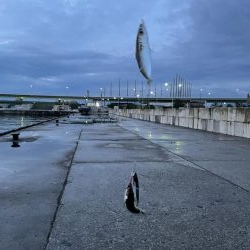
4, 105
22, 107
61, 108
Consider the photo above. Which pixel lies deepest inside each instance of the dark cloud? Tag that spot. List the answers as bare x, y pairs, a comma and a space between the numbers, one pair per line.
87, 44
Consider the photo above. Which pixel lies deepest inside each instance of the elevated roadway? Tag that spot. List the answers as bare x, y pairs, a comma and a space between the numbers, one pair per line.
125, 99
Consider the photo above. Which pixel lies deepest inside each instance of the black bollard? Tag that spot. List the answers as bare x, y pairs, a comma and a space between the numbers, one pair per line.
15, 136
57, 122
15, 140
15, 144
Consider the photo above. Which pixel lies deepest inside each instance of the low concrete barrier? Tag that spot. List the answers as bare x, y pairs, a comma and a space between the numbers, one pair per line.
230, 121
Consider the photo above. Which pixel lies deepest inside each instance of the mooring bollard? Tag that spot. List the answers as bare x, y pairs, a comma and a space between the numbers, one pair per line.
15, 144
15, 136
57, 122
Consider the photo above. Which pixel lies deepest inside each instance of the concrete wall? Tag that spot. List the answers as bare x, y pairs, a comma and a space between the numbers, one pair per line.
231, 121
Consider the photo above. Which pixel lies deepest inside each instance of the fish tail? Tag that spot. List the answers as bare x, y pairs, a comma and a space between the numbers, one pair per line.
132, 208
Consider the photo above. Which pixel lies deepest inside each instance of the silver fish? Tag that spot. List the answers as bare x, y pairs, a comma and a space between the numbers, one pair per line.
129, 197
143, 52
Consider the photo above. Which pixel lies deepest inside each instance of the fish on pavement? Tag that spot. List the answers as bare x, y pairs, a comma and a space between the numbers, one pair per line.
129, 197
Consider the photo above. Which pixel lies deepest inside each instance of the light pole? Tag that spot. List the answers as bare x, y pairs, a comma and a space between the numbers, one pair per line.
100, 95
179, 89
166, 86
201, 92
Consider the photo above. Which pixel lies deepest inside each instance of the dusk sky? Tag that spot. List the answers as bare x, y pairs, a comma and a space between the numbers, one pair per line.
69, 46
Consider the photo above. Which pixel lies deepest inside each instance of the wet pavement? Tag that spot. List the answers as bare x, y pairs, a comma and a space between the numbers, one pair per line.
194, 188
32, 177
193, 197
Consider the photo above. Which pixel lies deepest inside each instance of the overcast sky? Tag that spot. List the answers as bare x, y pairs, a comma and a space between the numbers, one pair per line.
69, 46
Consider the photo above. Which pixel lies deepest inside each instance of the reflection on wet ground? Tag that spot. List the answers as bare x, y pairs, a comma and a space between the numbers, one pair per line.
194, 187
32, 173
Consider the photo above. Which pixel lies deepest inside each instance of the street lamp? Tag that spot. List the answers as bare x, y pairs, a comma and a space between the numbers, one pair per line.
179, 89
201, 92
134, 89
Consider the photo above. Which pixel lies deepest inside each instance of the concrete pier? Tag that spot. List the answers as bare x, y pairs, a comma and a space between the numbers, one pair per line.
64, 189
230, 121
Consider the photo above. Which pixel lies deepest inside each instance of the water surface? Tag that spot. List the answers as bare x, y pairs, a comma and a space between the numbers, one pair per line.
9, 122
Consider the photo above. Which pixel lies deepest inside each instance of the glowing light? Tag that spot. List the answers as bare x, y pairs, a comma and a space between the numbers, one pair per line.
138, 96
166, 84
22, 121
97, 104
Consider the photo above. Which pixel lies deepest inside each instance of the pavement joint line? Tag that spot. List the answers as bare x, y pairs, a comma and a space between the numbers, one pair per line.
169, 140
105, 140
59, 198
182, 157
240, 160
98, 162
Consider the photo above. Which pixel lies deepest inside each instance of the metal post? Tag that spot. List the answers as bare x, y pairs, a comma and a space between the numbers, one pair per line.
127, 88
119, 87
111, 89
173, 97
135, 89
176, 86
185, 88
182, 87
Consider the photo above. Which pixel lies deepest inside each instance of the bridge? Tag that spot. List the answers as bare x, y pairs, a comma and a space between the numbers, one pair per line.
127, 98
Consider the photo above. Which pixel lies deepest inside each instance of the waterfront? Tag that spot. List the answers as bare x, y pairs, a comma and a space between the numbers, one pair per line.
194, 186
9, 122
